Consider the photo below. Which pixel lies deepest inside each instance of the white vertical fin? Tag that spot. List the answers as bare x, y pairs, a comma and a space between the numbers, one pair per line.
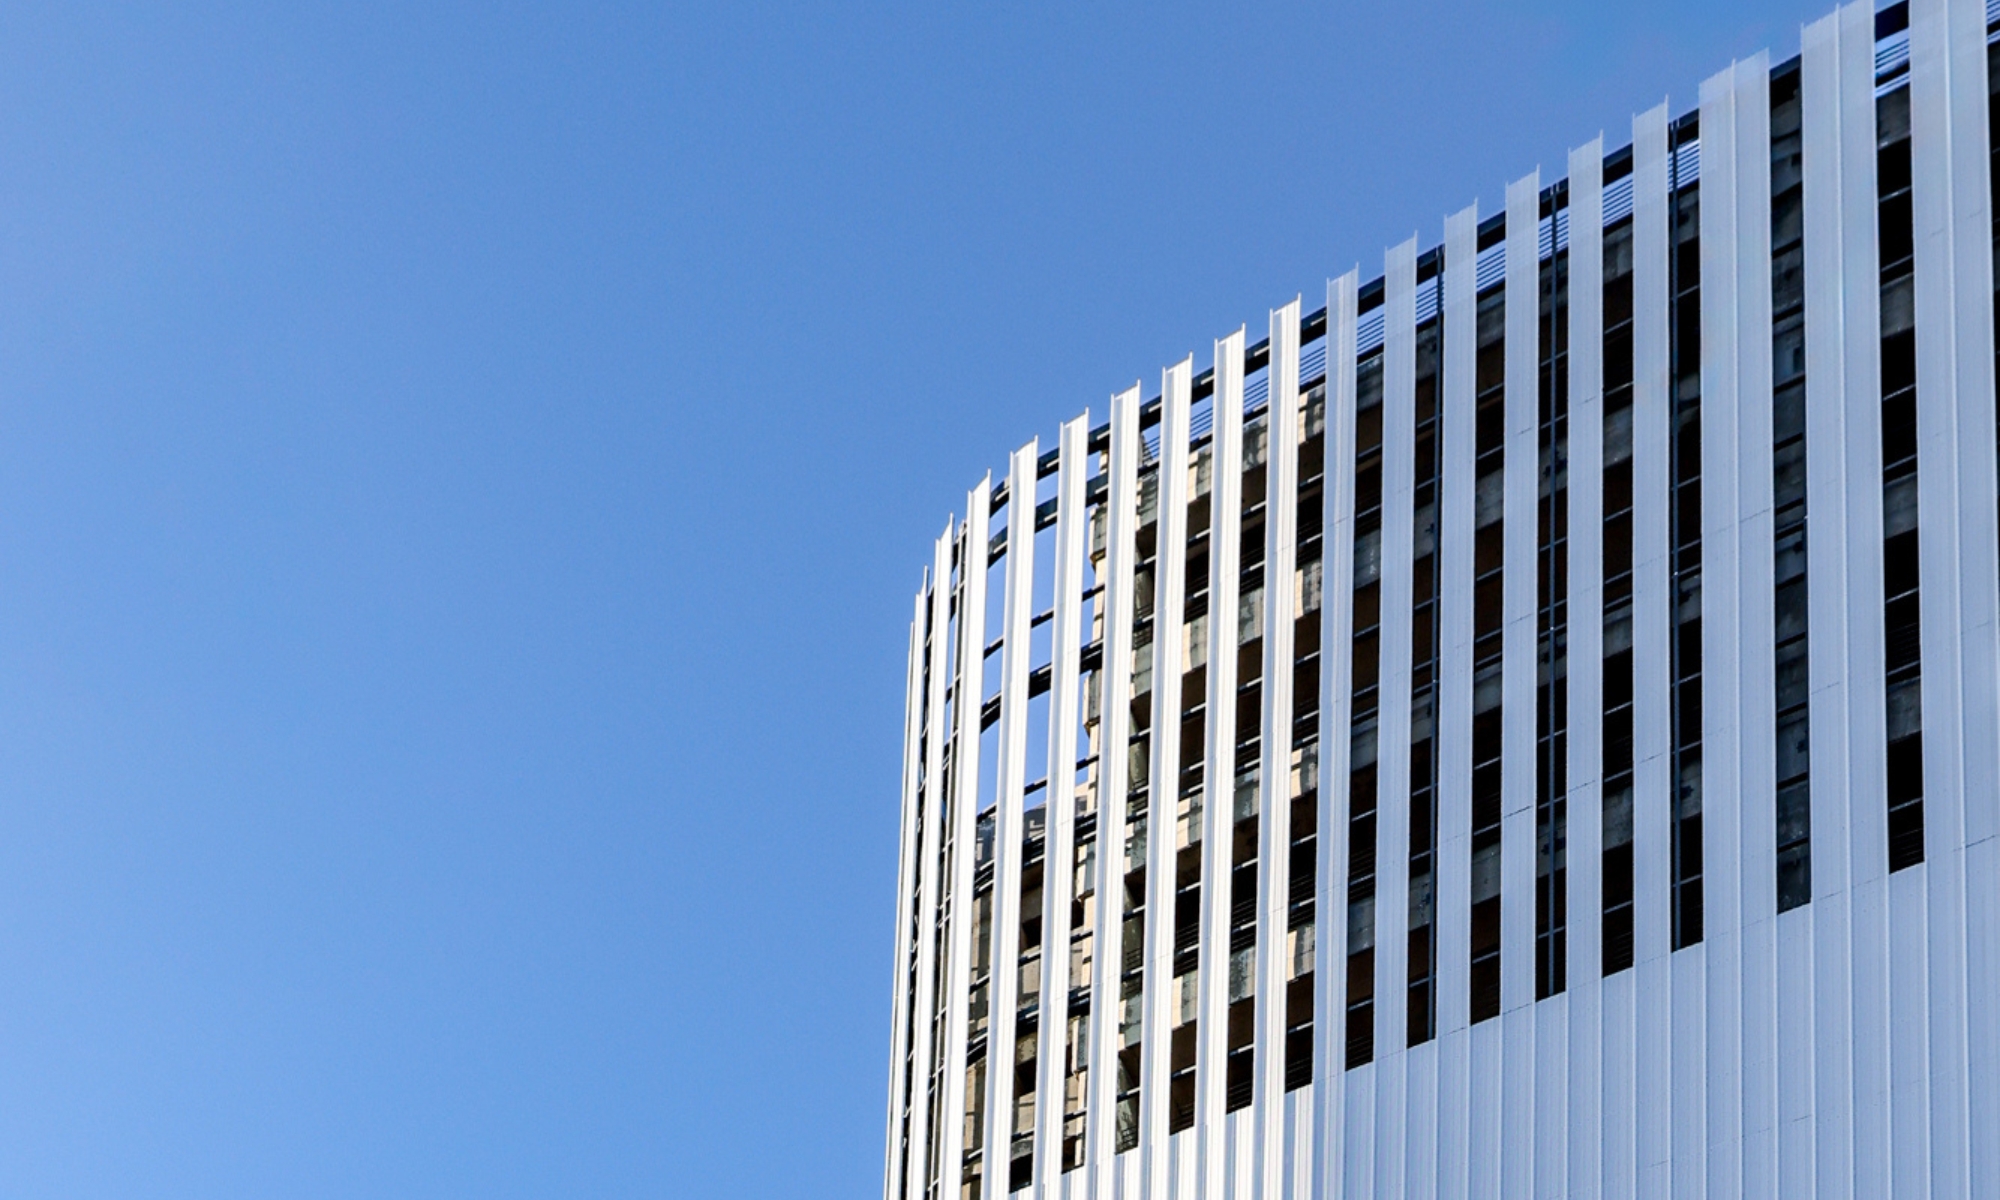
1066, 639
1337, 632
1010, 779
1280, 532
1225, 544
1122, 506
1652, 725
1454, 887
929, 887
1586, 665
1518, 678
907, 864
964, 819
1392, 804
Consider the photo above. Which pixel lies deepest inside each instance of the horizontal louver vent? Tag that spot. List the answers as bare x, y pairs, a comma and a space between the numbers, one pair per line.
1427, 301
1554, 234
1256, 390
1492, 266
1617, 200
1201, 420
1312, 363
1687, 164
1892, 53
1368, 334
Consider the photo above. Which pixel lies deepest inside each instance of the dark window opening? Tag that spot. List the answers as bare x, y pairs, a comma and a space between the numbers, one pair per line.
1902, 627
1617, 616
1421, 1023
1365, 695
1552, 633
1489, 541
1788, 495
1302, 787
1684, 515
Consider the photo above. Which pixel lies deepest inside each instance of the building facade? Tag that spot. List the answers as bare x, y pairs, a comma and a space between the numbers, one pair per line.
1530, 727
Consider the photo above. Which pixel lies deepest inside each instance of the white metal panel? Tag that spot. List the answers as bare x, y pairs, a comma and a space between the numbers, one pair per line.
1619, 1165
906, 872
1758, 981
1688, 973
1651, 727
1956, 496
1359, 1088
1300, 1107
1867, 848
1486, 1087
1238, 1136
1867, 723
1392, 846
1965, 898
1829, 90
1518, 672
1336, 698
1010, 779
1982, 869
1722, 508
1909, 1036
1420, 1143
1059, 871
1827, 462
1418, 1169
1757, 653
1274, 822
964, 817
1798, 983
936, 812
1454, 859
1586, 667
1122, 511
1869, 907
1169, 605
1551, 1095
1796, 1050
1225, 577
1739, 715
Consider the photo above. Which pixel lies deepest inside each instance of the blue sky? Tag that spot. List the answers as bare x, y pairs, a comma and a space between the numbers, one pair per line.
463, 475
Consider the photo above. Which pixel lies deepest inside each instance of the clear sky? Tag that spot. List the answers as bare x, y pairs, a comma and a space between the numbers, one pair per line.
464, 470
